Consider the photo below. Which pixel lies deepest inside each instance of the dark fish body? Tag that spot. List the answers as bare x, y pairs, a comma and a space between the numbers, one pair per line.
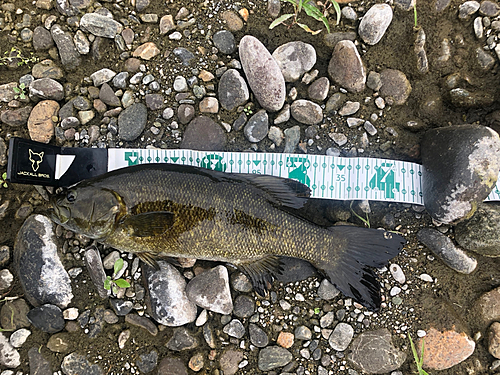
247, 220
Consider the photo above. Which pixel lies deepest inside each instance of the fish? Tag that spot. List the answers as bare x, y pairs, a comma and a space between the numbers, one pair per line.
247, 220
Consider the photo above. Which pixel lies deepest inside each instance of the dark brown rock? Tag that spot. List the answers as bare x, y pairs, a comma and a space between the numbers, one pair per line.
204, 134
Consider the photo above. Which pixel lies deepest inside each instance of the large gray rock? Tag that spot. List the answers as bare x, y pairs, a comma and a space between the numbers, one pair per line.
70, 58
374, 353
481, 233
46, 88
375, 23
273, 357
233, 90
460, 167
100, 25
210, 290
263, 74
41, 273
202, 133
346, 67
77, 364
294, 59
257, 127
166, 296
132, 121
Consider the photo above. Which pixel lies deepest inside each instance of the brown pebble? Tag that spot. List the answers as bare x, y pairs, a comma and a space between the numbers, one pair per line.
196, 362
285, 339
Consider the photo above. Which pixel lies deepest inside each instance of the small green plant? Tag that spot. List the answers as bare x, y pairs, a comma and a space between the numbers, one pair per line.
19, 90
311, 10
119, 283
419, 361
15, 54
366, 221
3, 181
415, 27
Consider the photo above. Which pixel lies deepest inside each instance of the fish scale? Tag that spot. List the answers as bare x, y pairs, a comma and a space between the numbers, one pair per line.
248, 220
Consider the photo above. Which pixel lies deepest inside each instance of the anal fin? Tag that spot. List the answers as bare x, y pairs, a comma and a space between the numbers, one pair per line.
261, 272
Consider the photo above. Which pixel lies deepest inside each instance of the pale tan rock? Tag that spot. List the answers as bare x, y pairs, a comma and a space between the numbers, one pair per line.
41, 122
146, 51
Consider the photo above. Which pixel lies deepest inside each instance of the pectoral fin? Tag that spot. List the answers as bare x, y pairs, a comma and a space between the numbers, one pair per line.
261, 272
149, 224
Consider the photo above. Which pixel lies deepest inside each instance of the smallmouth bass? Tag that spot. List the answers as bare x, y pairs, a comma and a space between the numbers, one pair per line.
248, 220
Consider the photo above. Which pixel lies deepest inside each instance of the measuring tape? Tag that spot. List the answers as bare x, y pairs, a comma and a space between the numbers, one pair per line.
328, 177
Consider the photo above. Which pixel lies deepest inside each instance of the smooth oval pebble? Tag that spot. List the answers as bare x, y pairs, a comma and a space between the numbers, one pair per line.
397, 273
263, 74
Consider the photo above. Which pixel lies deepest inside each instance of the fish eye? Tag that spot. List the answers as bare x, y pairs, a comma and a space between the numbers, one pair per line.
71, 196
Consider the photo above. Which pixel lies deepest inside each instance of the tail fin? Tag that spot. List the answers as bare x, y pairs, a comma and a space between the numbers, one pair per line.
360, 248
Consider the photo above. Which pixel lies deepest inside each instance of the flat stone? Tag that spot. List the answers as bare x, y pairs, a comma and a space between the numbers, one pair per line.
38, 364
487, 308
467, 9
229, 361
46, 88
70, 58
273, 357
481, 233
77, 364
167, 297
146, 51
147, 362
47, 69
234, 329
375, 23
374, 352
452, 194
306, 112
185, 113
349, 108
142, 322
132, 121
181, 340
263, 74
41, 273
446, 349
184, 55
346, 67
172, 366
233, 21
210, 290
244, 306
13, 314
224, 41
154, 101
9, 356
489, 9
258, 337
233, 90
292, 138
166, 24
341, 337
209, 104
108, 96
19, 337
16, 117
294, 59
47, 318
339, 138
202, 133
257, 127
395, 85
42, 40
318, 90
100, 25
60, 342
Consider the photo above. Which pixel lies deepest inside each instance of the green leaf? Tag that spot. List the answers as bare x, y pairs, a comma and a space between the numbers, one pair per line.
107, 283
115, 289
337, 10
17, 90
22, 86
316, 310
315, 13
122, 283
4, 175
280, 20
118, 265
